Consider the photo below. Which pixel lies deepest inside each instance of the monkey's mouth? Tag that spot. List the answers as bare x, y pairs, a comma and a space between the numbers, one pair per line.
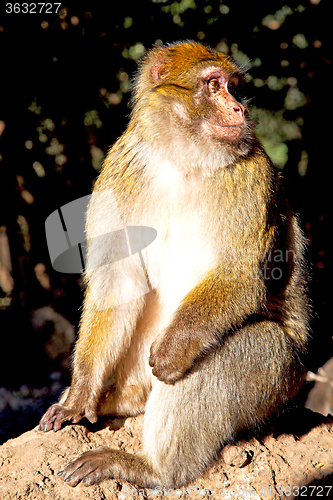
220, 132
227, 132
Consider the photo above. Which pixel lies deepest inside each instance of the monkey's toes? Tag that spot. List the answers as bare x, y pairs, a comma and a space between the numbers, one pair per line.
90, 468
51, 419
55, 416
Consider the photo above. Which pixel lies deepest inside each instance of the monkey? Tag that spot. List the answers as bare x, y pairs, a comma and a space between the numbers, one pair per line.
208, 339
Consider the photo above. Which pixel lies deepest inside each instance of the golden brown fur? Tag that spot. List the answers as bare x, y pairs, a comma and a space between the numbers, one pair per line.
214, 339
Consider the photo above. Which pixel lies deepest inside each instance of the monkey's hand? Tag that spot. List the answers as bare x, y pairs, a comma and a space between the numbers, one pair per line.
208, 312
170, 359
57, 414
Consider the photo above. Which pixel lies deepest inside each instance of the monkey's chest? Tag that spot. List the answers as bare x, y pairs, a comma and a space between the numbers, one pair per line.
183, 255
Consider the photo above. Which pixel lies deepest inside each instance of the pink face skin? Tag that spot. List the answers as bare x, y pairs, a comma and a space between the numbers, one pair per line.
228, 119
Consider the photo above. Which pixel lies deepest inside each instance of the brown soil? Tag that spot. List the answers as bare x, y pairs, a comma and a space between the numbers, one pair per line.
290, 461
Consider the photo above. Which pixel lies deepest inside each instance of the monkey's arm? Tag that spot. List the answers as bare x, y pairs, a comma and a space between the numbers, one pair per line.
205, 316
101, 342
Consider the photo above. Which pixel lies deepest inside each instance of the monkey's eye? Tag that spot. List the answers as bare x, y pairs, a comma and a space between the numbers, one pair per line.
214, 84
235, 88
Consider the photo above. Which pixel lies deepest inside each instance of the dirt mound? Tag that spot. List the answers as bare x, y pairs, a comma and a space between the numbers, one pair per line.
296, 459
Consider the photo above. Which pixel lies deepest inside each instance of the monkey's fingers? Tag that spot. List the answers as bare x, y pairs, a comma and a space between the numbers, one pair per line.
168, 364
90, 468
56, 415
165, 370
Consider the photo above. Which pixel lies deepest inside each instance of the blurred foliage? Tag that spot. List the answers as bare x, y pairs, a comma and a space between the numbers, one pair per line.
65, 93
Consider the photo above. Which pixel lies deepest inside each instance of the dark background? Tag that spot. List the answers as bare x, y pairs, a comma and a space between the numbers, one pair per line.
65, 83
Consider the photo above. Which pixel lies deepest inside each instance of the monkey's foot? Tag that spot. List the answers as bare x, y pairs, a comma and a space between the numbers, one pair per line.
57, 414
90, 468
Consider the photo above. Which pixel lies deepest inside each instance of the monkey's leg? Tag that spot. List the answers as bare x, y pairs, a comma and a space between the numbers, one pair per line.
188, 423
133, 380
211, 309
104, 338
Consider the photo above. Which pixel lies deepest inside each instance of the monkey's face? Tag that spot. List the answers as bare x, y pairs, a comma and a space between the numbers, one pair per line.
217, 102
200, 91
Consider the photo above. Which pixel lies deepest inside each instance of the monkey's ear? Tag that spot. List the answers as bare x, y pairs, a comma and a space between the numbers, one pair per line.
160, 66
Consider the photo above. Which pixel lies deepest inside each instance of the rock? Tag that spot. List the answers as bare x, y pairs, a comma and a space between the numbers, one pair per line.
236, 455
57, 334
298, 455
320, 398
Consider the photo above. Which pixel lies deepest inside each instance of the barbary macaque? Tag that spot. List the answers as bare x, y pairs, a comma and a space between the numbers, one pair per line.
213, 341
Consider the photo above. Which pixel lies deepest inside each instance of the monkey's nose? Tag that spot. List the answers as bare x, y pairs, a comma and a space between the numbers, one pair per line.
238, 108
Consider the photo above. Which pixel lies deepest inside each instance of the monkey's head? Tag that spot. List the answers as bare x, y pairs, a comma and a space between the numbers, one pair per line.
199, 92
